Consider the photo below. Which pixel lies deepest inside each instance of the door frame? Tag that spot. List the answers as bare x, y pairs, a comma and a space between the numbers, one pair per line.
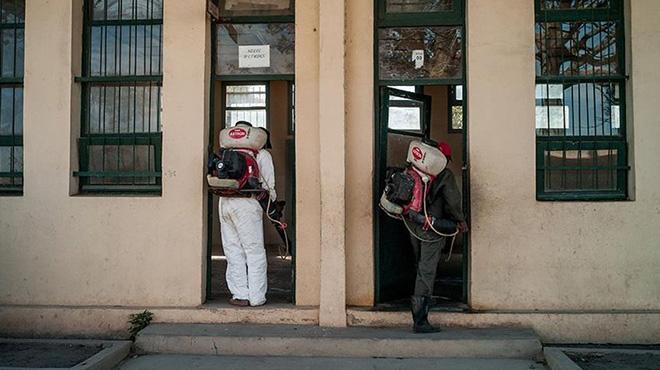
246, 79
380, 146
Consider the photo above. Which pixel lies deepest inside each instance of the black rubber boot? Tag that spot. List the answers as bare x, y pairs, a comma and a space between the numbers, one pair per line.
420, 305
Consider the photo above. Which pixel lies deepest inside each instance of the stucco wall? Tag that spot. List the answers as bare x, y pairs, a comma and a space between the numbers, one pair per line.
106, 250
308, 182
359, 152
530, 255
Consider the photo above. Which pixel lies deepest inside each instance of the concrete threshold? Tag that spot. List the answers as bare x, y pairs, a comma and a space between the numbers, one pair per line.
314, 341
112, 322
634, 327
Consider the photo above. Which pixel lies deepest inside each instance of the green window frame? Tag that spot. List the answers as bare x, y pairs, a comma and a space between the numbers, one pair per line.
581, 141
120, 144
247, 110
452, 14
12, 32
254, 15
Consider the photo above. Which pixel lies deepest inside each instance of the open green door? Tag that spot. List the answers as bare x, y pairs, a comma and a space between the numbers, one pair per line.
403, 116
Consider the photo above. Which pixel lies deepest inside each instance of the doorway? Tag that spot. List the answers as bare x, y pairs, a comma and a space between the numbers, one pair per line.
408, 113
262, 93
419, 73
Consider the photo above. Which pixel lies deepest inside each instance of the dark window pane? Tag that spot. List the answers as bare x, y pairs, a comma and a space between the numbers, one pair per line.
581, 170
240, 8
134, 50
579, 109
441, 47
127, 9
575, 4
11, 164
12, 52
576, 49
123, 109
279, 36
122, 158
11, 111
418, 6
12, 11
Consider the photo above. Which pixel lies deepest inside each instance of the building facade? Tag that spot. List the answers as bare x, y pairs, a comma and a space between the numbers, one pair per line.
564, 221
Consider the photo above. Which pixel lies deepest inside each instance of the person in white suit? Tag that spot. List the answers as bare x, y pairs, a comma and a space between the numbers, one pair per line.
241, 226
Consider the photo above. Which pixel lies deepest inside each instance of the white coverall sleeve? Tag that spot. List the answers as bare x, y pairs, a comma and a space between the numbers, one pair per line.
267, 171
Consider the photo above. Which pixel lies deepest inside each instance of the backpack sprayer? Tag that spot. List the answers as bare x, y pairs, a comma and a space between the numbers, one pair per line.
234, 172
404, 197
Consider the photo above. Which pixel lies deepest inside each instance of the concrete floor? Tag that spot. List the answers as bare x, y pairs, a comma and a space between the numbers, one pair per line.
166, 362
279, 278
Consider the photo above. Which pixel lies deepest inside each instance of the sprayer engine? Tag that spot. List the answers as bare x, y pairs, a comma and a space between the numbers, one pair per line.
405, 189
233, 171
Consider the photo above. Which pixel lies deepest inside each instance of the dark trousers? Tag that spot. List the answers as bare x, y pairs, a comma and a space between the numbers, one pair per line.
427, 257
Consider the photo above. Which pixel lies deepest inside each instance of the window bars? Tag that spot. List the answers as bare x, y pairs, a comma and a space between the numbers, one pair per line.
12, 26
246, 102
121, 142
580, 100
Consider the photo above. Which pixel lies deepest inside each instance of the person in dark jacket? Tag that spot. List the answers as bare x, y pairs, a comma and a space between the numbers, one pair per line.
443, 202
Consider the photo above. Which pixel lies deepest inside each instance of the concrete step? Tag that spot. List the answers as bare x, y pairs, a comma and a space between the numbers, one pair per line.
289, 340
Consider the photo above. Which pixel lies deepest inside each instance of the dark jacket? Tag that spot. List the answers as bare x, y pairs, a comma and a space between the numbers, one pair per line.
444, 198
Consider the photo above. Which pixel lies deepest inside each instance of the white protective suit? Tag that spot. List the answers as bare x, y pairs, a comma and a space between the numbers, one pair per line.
241, 226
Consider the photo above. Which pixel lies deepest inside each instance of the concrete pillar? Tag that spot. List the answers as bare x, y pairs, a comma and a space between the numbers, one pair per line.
332, 148
185, 101
308, 194
51, 97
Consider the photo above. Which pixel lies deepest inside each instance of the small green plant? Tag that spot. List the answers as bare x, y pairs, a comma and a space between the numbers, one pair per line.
139, 321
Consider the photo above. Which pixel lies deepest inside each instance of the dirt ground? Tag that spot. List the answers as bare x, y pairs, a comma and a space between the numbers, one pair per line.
619, 361
51, 355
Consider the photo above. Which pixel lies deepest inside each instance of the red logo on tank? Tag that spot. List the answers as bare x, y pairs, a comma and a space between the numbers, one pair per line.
417, 153
237, 133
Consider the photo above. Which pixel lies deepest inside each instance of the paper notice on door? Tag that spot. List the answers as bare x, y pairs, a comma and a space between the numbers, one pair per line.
254, 56
418, 58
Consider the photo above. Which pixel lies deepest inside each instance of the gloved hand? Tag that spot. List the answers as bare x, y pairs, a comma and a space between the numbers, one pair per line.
417, 218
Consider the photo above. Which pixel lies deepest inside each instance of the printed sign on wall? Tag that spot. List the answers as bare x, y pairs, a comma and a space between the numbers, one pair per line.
254, 56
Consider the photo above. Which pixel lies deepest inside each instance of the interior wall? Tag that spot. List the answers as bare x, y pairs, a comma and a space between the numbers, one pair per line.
440, 128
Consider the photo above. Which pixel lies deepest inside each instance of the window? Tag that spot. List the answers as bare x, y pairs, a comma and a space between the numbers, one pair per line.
440, 48
245, 102
455, 109
120, 141
405, 114
274, 40
580, 100
259, 8
12, 26
420, 12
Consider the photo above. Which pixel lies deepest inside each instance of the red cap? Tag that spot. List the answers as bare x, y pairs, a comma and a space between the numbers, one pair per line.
445, 149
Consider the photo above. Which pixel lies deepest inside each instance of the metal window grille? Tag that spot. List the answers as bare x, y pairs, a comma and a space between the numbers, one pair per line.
580, 100
12, 26
120, 144
246, 102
